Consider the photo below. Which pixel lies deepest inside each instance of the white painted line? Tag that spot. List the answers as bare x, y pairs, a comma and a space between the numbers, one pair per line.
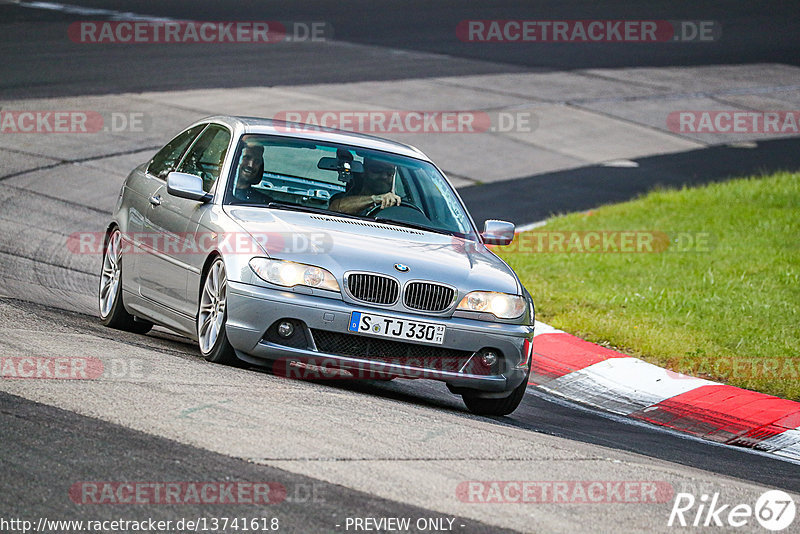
743, 144
90, 11
621, 163
530, 226
541, 328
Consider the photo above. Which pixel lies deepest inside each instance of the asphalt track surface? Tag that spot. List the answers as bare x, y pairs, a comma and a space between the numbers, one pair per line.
36, 61
46, 448
42, 467
536, 198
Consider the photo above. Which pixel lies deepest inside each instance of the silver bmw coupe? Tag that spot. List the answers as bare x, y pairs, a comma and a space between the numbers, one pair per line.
318, 254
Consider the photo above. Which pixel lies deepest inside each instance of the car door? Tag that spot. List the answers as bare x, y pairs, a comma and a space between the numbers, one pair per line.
165, 273
142, 187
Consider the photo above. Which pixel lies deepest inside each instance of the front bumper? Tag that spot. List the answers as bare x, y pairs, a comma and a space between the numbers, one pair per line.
252, 310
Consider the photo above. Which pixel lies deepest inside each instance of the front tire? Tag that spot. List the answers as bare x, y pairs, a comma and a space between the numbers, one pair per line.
112, 309
504, 406
212, 316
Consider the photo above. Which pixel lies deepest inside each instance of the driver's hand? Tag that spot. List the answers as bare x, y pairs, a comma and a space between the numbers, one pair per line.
387, 199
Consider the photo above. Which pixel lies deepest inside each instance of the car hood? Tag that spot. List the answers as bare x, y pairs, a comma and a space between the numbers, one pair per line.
341, 244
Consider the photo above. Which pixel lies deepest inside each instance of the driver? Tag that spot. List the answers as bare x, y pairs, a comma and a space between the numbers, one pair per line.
251, 170
376, 188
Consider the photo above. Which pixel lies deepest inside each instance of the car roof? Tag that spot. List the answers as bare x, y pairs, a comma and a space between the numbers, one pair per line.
257, 125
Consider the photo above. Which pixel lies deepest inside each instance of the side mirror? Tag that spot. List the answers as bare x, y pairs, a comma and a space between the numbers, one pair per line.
497, 232
183, 185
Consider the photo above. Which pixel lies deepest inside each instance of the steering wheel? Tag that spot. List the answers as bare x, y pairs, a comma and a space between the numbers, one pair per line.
373, 210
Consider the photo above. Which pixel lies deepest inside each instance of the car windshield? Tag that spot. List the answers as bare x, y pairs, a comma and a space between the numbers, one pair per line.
289, 173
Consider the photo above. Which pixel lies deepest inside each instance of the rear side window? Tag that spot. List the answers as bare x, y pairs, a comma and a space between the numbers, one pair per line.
207, 155
167, 158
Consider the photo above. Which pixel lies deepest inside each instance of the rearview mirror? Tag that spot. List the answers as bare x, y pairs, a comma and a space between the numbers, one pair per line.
498, 232
336, 164
183, 185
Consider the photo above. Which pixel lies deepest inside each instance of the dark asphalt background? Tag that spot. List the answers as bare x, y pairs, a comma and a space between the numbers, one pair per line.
38, 60
47, 450
535, 198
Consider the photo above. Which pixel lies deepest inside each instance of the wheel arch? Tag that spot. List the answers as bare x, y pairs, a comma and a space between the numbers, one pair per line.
210, 259
109, 230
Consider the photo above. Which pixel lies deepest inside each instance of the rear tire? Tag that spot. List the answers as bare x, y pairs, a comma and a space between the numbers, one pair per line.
112, 309
504, 406
212, 316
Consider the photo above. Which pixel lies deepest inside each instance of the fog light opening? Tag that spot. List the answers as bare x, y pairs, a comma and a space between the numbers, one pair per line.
489, 358
285, 329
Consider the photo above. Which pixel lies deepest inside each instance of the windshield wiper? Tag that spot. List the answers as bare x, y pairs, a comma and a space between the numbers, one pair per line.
310, 209
246, 205
414, 225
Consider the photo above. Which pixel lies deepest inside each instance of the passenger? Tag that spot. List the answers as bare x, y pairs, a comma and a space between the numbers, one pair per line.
251, 171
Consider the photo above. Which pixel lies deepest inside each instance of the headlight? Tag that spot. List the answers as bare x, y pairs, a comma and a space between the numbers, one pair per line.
502, 305
290, 274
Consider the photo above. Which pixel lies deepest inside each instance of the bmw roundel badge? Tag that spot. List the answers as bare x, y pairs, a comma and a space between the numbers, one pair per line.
400, 267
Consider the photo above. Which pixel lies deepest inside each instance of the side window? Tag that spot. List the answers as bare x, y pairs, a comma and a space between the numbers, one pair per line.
165, 160
207, 155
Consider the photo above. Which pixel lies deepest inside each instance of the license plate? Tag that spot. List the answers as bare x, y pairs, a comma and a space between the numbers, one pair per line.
380, 325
